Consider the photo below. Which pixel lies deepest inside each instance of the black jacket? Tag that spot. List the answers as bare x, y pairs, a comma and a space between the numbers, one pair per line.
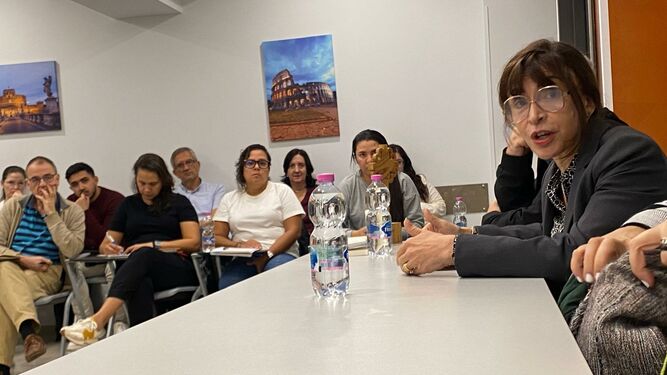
619, 171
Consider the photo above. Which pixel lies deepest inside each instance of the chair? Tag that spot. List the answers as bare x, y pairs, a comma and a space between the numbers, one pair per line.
197, 291
54, 299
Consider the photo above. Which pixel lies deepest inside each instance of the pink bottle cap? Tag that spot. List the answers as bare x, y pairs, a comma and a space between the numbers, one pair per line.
325, 177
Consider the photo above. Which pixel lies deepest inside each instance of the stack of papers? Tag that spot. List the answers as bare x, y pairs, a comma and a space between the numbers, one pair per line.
356, 242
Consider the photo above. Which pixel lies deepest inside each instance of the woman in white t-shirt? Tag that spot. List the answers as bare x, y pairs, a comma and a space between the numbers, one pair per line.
260, 214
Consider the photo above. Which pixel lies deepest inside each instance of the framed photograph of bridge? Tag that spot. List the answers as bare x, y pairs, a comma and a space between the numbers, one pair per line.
30, 101
300, 87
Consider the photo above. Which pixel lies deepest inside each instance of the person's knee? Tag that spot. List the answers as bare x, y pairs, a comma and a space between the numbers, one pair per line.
278, 260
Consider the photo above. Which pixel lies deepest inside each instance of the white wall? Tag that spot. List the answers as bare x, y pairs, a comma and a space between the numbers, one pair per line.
418, 71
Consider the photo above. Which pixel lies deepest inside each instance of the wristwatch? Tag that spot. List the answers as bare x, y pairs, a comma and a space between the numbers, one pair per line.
269, 254
156, 244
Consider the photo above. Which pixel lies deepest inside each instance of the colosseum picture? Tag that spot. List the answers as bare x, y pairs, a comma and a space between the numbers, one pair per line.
300, 88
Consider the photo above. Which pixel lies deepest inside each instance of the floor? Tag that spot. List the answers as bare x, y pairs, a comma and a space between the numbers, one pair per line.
52, 352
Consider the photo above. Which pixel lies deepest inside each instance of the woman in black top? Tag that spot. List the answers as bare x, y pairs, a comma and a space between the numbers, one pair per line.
159, 229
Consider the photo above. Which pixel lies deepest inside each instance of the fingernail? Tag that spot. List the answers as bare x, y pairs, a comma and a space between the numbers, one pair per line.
645, 283
589, 278
596, 276
579, 279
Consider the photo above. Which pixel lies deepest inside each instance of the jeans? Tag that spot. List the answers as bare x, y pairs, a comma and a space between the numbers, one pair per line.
238, 270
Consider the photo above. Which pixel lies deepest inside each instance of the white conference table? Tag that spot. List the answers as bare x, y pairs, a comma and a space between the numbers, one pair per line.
389, 324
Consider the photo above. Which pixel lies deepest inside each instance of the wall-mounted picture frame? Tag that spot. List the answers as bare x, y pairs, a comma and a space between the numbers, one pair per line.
300, 86
30, 100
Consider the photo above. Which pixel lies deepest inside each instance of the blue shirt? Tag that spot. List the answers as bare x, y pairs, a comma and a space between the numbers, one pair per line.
205, 198
33, 238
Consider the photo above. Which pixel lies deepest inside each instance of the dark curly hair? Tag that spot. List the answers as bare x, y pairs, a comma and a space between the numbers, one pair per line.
240, 180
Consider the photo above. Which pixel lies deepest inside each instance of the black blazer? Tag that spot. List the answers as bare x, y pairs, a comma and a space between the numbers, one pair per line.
517, 191
619, 171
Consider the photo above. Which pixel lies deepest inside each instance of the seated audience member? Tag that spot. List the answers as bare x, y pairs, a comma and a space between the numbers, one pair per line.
602, 172
13, 183
99, 205
159, 229
299, 176
516, 188
621, 324
260, 214
204, 196
37, 232
429, 197
404, 195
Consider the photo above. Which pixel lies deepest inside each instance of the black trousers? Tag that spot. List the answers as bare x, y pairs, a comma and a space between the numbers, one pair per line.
145, 272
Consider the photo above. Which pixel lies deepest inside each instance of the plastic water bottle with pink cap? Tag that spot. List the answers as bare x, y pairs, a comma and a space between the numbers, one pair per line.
329, 257
378, 218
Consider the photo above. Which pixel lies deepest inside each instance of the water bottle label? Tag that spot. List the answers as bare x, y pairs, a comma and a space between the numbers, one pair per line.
328, 258
386, 228
313, 257
372, 228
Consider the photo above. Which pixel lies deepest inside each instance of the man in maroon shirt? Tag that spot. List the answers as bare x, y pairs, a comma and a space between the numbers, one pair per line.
97, 202
99, 205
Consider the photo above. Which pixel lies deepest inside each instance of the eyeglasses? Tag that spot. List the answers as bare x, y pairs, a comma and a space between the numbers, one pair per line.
47, 178
262, 163
548, 98
187, 163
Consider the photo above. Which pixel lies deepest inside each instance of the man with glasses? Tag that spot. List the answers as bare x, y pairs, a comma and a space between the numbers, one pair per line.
99, 205
204, 196
36, 233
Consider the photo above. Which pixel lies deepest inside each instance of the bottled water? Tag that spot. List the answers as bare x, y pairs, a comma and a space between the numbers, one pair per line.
378, 218
460, 211
329, 257
207, 233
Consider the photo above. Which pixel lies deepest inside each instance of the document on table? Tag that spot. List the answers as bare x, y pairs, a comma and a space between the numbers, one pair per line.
356, 242
236, 252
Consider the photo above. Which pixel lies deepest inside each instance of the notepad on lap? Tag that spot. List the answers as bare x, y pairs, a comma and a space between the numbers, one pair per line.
236, 252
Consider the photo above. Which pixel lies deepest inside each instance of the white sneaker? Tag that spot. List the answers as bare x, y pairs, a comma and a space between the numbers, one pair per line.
119, 327
83, 332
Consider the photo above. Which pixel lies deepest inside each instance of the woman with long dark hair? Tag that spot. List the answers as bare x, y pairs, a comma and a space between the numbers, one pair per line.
159, 229
429, 197
298, 175
404, 195
260, 214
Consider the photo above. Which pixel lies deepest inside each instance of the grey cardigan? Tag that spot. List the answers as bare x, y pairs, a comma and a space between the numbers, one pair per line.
619, 171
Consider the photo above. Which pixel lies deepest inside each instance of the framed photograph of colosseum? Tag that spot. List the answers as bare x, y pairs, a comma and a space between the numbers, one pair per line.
300, 88
30, 101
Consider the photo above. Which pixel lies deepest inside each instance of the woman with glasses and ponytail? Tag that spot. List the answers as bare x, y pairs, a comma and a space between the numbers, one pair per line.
260, 214
602, 172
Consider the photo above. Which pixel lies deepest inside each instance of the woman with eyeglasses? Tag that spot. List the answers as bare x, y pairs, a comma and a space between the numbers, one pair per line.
299, 176
429, 197
404, 195
13, 183
602, 171
260, 214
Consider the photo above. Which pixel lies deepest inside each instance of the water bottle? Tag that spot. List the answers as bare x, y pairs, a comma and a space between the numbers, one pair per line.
460, 211
378, 218
207, 233
329, 257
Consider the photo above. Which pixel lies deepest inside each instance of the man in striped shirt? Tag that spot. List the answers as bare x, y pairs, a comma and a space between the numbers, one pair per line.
36, 232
